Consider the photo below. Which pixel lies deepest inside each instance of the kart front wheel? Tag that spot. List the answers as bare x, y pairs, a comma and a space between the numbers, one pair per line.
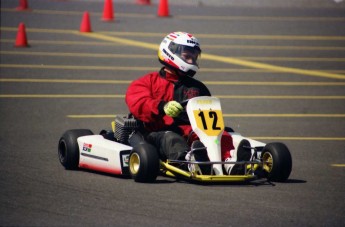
277, 162
68, 149
144, 163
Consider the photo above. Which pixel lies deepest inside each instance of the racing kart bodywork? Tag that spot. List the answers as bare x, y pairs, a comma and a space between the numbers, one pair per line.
111, 152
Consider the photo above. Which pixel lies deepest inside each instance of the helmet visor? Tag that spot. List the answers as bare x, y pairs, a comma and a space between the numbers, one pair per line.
186, 53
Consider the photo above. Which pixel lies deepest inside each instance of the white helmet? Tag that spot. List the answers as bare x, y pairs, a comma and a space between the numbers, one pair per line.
173, 49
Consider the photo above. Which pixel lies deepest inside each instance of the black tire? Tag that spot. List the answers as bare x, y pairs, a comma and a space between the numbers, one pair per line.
144, 163
68, 149
277, 162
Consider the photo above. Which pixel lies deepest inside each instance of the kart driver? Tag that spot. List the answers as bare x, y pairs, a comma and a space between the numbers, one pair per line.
155, 100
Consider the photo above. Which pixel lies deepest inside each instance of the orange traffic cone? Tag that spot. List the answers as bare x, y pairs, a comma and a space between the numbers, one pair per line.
108, 12
144, 2
85, 25
163, 8
23, 5
21, 40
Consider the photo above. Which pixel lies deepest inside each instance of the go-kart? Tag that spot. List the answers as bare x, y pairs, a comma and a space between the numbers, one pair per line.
111, 152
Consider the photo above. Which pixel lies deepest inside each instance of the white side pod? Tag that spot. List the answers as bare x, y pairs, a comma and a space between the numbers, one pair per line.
99, 154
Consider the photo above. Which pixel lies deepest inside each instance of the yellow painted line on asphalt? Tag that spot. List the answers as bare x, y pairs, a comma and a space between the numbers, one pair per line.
275, 47
285, 115
229, 60
221, 83
192, 17
59, 96
151, 56
257, 65
66, 54
263, 18
41, 30
78, 13
78, 67
338, 165
127, 68
93, 115
274, 83
69, 81
233, 61
130, 42
293, 59
205, 36
68, 42
41, 11
252, 97
231, 115
299, 138
124, 68
282, 97
232, 36
204, 46
226, 83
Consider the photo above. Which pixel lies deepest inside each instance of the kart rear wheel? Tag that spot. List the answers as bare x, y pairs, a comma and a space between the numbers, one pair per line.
68, 149
277, 162
144, 163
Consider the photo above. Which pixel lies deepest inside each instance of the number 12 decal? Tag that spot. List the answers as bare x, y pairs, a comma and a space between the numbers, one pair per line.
212, 115
209, 121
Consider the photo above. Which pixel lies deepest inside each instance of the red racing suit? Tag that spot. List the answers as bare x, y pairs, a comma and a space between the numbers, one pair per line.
146, 97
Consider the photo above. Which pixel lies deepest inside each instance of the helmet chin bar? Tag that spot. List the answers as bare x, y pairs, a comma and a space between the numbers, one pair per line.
181, 73
178, 72
190, 73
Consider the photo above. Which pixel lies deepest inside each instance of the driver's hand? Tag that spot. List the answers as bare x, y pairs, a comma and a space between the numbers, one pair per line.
173, 108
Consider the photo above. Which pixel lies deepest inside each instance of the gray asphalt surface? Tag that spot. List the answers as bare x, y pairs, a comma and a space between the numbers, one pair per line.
288, 86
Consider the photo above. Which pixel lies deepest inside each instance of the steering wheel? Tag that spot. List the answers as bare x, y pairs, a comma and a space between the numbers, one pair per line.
183, 116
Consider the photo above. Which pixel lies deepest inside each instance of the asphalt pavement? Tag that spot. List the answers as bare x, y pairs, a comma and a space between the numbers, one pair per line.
279, 73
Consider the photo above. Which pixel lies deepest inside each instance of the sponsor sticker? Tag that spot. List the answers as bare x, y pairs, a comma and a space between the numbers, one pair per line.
193, 42
125, 160
87, 147
169, 55
204, 102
